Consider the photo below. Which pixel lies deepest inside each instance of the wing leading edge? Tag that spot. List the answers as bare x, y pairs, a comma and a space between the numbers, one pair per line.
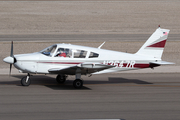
83, 68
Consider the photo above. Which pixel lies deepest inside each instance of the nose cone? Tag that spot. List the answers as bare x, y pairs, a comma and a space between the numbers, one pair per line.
9, 60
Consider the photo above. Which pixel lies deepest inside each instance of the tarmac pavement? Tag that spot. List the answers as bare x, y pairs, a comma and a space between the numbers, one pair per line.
107, 96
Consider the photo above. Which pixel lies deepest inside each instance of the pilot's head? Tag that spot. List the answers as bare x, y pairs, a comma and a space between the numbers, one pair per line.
61, 49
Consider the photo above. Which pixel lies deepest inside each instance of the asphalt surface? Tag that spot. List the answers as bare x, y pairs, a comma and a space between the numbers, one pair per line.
106, 96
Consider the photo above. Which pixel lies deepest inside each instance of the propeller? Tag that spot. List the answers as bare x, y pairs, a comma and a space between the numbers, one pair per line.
11, 59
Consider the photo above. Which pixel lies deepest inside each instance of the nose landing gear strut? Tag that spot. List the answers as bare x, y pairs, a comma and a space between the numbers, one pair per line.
25, 81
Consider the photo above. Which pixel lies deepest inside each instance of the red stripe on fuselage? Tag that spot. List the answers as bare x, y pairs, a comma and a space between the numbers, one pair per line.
137, 65
160, 44
61, 62
141, 65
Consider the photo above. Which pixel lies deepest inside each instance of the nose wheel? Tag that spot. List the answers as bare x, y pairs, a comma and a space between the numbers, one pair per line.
78, 83
25, 81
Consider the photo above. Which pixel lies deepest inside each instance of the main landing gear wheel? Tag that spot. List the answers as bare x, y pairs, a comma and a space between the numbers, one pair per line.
78, 83
25, 81
61, 78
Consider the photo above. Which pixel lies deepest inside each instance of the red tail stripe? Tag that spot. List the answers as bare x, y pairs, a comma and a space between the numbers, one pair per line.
160, 44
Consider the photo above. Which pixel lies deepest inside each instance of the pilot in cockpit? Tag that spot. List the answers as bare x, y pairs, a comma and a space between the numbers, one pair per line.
61, 53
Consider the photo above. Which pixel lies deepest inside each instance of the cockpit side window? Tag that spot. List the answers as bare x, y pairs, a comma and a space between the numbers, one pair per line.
93, 55
49, 50
70, 53
64, 52
80, 53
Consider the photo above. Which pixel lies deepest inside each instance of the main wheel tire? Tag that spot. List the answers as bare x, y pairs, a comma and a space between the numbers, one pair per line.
61, 79
78, 83
23, 81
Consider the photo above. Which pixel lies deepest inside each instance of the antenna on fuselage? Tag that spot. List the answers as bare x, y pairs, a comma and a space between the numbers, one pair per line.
101, 45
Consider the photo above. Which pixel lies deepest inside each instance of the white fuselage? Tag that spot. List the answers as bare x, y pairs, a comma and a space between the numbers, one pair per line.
41, 63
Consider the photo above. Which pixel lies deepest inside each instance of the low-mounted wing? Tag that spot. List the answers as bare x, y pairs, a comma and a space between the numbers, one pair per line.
83, 68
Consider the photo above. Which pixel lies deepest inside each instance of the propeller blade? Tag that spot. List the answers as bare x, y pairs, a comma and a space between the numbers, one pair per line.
11, 54
10, 69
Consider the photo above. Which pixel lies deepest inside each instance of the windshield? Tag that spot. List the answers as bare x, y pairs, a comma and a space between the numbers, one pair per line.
49, 50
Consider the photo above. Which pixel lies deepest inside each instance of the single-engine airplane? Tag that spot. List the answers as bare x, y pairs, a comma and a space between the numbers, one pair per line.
67, 59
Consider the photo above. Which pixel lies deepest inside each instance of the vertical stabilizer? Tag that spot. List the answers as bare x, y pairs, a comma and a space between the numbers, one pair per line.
154, 46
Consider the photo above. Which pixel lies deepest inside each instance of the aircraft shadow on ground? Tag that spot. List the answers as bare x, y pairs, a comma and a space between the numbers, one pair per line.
50, 82
43, 80
124, 80
117, 80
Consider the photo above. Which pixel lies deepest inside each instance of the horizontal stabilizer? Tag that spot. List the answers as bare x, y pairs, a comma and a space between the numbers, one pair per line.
162, 63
